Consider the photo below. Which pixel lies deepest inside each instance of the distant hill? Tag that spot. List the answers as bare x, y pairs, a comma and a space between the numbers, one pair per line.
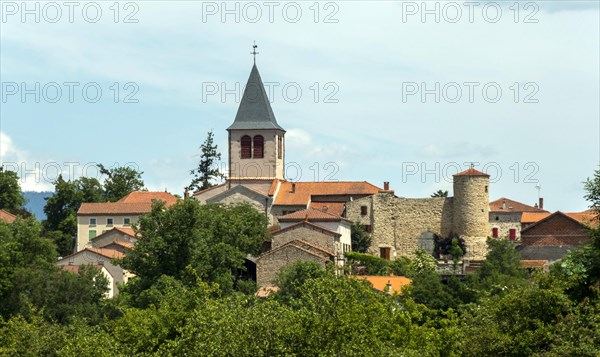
35, 202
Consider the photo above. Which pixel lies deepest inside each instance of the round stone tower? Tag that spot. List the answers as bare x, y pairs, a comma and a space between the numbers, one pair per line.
471, 211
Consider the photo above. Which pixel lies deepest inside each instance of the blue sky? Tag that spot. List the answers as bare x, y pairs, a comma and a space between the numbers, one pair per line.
378, 67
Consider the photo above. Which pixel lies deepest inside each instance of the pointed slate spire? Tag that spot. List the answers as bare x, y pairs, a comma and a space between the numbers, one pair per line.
255, 110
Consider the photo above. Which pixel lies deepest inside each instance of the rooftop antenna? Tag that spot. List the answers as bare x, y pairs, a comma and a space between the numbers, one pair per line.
538, 187
254, 53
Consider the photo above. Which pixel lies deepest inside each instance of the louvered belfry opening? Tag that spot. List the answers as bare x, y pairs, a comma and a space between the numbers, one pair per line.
259, 147
246, 147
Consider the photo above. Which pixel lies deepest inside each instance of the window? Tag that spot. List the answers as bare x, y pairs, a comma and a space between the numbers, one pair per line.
384, 252
363, 210
512, 233
246, 147
126, 221
91, 234
109, 221
259, 147
486, 189
92, 222
495, 232
280, 147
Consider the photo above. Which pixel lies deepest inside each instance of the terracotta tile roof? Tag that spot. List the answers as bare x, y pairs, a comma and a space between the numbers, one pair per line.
107, 252
512, 206
309, 215
334, 208
148, 197
307, 224
557, 229
265, 291
471, 172
540, 264
135, 203
532, 217
304, 190
122, 244
396, 283
7, 217
274, 186
129, 231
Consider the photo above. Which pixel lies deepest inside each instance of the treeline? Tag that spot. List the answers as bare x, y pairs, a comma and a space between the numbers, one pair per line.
191, 297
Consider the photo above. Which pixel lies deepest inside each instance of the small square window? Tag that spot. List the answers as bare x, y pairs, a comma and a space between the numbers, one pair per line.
92, 222
109, 221
126, 221
363, 210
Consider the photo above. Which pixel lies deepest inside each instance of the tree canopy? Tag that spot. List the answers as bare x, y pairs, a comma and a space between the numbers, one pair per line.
11, 198
207, 171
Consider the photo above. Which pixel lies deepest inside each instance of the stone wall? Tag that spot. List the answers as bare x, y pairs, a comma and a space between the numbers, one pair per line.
306, 233
505, 221
269, 264
398, 223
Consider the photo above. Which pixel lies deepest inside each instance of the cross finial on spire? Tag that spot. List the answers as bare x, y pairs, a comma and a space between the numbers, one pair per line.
254, 47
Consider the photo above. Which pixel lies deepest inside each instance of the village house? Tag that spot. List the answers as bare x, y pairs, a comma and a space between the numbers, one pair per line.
7, 217
94, 219
506, 217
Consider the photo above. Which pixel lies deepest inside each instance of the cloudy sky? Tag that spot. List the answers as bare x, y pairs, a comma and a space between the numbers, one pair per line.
406, 92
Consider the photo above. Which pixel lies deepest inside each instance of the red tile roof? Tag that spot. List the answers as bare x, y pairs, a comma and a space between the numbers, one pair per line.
471, 172
512, 206
532, 217
303, 191
135, 203
129, 231
387, 284
309, 215
7, 217
585, 217
558, 229
122, 244
539, 264
107, 252
334, 208
148, 197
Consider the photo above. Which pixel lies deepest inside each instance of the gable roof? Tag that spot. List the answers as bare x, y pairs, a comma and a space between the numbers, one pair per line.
309, 225
134, 203
303, 191
548, 218
310, 214
512, 206
246, 191
104, 252
587, 218
471, 172
255, 110
301, 245
532, 217
127, 231
7, 217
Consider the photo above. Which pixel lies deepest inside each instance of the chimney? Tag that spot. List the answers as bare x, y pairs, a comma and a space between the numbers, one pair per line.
186, 194
541, 203
386, 186
503, 204
293, 187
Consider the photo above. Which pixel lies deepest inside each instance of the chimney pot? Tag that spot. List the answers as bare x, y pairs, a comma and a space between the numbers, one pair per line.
293, 187
541, 203
386, 186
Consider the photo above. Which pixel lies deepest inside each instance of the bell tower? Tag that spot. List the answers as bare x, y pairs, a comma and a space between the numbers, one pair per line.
256, 141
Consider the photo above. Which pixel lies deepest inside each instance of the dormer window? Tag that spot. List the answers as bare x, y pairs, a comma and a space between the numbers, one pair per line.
246, 147
259, 146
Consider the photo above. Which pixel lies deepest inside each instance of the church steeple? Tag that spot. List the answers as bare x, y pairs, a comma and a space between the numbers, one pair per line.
255, 110
256, 140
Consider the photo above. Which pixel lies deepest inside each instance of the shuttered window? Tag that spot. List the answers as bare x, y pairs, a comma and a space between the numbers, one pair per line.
512, 234
246, 147
494, 232
258, 147
280, 147
384, 252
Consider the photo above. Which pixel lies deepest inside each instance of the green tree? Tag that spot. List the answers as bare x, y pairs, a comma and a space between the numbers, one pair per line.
291, 278
120, 181
592, 188
360, 239
11, 198
501, 268
190, 241
440, 193
61, 209
207, 171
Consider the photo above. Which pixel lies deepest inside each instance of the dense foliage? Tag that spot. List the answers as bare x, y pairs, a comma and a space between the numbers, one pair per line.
207, 171
186, 299
11, 199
